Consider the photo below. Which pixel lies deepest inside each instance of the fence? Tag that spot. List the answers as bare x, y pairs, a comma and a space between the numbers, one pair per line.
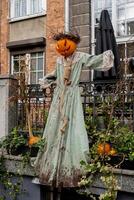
119, 94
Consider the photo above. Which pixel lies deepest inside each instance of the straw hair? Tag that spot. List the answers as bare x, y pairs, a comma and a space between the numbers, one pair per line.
71, 36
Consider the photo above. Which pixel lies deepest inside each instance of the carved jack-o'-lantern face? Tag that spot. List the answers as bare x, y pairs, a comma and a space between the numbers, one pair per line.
65, 47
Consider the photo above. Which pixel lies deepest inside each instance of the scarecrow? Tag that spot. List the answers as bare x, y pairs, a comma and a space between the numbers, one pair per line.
66, 138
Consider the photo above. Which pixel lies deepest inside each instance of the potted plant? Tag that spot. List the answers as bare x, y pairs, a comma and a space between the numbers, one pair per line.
15, 143
123, 141
36, 144
111, 146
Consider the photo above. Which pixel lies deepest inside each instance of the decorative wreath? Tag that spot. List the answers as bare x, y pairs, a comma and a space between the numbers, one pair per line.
71, 36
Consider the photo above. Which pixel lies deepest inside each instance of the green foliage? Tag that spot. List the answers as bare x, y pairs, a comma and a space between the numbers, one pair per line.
104, 127
40, 144
14, 140
11, 188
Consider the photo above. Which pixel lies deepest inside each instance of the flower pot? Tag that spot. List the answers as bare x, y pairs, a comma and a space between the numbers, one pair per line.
22, 149
120, 162
116, 161
34, 151
128, 164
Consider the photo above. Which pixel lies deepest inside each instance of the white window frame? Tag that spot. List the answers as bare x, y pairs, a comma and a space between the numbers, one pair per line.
13, 18
119, 39
36, 71
29, 65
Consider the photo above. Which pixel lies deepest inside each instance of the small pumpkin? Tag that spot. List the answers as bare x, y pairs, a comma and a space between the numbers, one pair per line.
65, 47
113, 152
33, 140
104, 149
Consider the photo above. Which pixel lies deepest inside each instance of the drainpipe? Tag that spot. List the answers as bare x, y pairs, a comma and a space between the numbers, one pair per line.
66, 4
0, 31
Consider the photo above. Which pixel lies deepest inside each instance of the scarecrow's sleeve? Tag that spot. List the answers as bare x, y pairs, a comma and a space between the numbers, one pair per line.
102, 62
48, 80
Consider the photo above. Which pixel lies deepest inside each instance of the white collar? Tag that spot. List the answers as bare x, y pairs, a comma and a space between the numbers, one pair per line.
76, 56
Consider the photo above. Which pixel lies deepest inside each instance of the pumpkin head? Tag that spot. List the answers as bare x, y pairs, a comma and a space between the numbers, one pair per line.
65, 47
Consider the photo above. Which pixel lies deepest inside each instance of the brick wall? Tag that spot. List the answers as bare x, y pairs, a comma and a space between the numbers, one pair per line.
81, 20
4, 28
54, 24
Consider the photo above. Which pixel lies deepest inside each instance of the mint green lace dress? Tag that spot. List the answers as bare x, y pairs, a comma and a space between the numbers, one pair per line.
59, 163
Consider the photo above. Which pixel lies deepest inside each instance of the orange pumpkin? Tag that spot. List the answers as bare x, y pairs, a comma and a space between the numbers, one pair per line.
65, 47
113, 152
33, 140
104, 148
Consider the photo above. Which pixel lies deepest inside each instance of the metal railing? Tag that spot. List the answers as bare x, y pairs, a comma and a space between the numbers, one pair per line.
120, 94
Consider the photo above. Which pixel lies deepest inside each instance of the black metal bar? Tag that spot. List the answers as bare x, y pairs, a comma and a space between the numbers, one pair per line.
93, 94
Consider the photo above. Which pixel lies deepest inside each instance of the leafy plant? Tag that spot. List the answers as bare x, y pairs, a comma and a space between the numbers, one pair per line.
14, 140
108, 137
11, 188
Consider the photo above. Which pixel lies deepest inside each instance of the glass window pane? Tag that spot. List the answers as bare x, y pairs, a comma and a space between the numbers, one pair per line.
40, 75
33, 78
17, 9
130, 28
20, 8
33, 64
97, 18
125, 13
100, 5
40, 63
23, 7
121, 13
108, 3
129, 1
121, 29
130, 11
33, 55
36, 66
16, 66
121, 2
36, 6
40, 54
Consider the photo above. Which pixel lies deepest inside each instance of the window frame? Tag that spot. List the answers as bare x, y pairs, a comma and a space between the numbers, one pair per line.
36, 71
28, 15
119, 39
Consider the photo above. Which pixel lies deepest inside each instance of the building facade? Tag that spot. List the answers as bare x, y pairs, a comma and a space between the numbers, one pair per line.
26, 27
85, 16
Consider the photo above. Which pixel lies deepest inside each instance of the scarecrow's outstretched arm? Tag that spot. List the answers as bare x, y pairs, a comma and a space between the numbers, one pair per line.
48, 80
102, 62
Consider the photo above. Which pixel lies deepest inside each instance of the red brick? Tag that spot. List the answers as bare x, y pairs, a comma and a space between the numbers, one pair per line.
4, 33
55, 23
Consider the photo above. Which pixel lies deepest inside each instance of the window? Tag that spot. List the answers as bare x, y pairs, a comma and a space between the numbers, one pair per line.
36, 66
26, 8
125, 17
121, 13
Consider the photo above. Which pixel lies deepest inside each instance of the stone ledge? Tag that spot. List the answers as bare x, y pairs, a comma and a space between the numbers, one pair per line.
14, 164
7, 77
125, 177
41, 41
125, 182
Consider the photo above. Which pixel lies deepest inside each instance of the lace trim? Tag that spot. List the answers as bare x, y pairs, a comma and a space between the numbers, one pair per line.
44, 82
108, 61
76, 57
